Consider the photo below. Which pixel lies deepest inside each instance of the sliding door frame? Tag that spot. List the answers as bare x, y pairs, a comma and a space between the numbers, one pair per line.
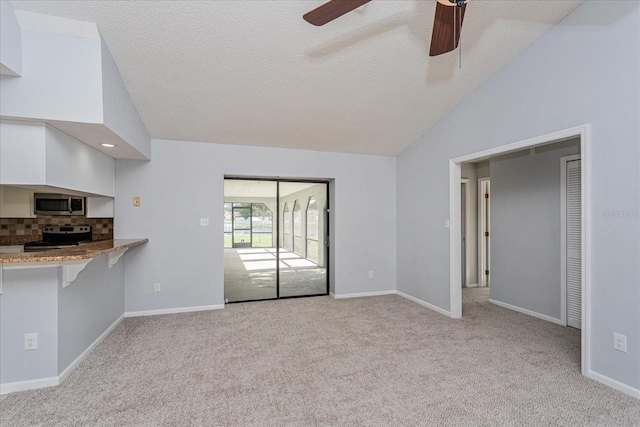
325, 238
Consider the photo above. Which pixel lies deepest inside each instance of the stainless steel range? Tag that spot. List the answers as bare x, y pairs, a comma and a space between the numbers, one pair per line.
60, 236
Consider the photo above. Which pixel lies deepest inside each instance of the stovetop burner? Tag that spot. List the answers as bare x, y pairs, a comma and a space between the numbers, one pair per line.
59, 237
46, 246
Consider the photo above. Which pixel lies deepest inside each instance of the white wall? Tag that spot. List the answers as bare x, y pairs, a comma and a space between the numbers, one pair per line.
525, 229
61, 79
562, 81
88, 307
483, 170
10, 41
37, 287
184, 183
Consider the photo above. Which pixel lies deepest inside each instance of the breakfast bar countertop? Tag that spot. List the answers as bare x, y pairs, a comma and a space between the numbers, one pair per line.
82, 251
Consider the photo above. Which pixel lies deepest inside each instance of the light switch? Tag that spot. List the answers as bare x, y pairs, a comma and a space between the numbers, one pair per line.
136, 202
447, 224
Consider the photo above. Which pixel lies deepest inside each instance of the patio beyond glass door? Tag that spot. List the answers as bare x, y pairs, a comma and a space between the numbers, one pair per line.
275, 235
303, 252
250, 271
241, 219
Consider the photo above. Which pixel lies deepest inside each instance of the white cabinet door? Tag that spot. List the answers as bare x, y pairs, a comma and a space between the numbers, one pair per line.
16, 202
100, 207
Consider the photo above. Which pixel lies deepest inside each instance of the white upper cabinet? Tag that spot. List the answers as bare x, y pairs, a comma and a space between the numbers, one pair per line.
36, 155
100, 207
16, 202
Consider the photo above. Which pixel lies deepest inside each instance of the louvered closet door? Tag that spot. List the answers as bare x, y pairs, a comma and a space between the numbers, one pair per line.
574, 245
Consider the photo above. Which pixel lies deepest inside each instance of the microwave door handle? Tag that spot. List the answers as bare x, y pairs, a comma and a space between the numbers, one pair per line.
70, 205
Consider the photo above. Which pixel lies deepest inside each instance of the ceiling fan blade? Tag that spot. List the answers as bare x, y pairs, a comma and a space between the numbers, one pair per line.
331, 10
442, 39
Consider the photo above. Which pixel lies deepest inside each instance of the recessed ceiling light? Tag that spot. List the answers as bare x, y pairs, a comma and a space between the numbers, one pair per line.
108, 145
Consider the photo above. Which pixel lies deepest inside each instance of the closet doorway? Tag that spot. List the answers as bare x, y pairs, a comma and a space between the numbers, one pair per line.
275, 239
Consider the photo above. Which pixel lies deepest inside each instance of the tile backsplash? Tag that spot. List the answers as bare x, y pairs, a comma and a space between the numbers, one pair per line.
18, 231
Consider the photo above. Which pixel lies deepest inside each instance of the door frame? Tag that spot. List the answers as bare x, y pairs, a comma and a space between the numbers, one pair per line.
583, 132
563, 234
326, 238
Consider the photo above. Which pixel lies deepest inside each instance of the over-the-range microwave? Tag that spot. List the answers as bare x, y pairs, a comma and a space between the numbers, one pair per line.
58, 204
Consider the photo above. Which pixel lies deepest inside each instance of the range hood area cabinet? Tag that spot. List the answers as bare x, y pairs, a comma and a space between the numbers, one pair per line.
100, 207
16, 202
35, 155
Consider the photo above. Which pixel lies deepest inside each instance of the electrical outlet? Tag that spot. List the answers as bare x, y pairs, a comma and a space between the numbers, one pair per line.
156, 287
370, 274
204, 222
30, 341
620, 342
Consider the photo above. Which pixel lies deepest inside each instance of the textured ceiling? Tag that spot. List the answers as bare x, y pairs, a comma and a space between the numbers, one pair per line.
255, 73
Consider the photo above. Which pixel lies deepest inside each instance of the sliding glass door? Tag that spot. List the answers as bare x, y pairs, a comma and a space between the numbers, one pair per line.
303, 252
249, 230
275, 235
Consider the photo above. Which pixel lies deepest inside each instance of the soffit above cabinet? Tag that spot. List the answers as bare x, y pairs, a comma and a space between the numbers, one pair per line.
39, 156
71, 82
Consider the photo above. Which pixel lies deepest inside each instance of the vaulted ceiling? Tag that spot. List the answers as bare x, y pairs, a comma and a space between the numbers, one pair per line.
255, 73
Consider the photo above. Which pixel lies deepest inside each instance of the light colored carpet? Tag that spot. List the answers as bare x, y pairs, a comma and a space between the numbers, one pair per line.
378, 361
473, 295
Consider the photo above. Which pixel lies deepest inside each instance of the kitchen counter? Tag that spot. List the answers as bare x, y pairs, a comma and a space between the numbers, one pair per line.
81, 252
71, 298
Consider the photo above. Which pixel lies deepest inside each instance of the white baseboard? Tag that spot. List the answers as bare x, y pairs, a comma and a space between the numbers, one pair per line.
392, 292
54, 381
63, 375
633, 392
173, 310
28, 385
527, 312
363, 294
425, 304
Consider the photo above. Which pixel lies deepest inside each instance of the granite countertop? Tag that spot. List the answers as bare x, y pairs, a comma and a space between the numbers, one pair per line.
82, 251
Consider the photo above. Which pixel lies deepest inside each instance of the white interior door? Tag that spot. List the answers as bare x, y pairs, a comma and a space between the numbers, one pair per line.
463, 231
574, 243
484, 233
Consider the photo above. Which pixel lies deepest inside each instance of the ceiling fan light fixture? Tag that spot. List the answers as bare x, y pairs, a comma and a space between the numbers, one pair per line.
458, 3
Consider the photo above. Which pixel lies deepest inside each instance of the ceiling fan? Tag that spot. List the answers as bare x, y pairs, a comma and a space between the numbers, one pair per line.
446, 24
